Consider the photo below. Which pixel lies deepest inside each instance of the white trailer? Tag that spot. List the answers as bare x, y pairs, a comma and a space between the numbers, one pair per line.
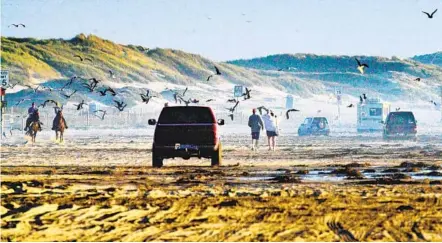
371, 113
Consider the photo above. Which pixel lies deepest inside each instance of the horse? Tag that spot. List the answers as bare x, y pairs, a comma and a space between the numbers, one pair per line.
34, 126
59, 125
33, 129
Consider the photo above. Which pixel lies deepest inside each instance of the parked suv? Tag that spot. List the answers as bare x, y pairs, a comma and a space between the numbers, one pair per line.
185, 132
400, 124
314, 126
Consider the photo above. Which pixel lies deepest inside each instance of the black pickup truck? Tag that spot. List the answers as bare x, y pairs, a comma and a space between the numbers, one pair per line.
185, 132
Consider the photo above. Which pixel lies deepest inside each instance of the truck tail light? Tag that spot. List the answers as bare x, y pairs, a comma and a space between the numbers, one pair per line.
215, 133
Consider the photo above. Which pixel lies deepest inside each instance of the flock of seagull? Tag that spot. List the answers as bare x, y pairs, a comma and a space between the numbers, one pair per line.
92, 84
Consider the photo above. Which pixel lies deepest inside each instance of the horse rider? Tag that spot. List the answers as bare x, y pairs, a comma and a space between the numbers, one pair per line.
32, 117
57, 118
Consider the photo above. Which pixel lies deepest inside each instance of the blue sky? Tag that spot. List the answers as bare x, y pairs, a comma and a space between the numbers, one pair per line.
220, 29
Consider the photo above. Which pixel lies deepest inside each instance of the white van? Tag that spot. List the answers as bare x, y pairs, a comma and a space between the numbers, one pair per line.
371, 113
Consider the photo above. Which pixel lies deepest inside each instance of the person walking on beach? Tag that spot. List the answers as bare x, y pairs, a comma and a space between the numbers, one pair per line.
271, 126
256, 125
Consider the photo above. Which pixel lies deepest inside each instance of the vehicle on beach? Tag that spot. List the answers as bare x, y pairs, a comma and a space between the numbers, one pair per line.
370, 113
400, 124
314, 126
185, 132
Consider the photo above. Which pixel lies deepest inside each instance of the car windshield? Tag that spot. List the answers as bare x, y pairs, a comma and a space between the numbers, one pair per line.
186, 115
401, 118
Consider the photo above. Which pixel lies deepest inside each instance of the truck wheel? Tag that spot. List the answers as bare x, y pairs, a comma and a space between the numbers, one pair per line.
157, 162
217, 156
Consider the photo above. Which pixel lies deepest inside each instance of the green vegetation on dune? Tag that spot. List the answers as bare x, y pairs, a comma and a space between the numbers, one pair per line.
32, 61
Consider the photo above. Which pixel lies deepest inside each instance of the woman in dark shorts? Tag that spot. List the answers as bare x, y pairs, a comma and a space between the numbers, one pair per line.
271, 126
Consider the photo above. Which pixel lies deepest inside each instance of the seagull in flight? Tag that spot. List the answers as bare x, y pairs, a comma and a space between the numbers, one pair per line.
217, 73
120, 105
262, 108
350, 106
80, 106
35, 89
146, 98
112, 75
82, 59
49, 101
288, 111
233, 108
102, 114
430, 16
247, 94
361, 66
69, 96
17, 25
21, 101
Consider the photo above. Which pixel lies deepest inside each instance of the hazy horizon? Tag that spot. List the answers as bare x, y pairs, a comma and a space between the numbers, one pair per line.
235, 29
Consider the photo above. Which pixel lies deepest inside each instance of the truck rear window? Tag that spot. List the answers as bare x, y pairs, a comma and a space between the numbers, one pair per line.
401, 118
186, 115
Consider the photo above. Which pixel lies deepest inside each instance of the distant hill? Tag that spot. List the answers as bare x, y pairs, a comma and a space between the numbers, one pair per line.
434, 58
389, 78
53, 62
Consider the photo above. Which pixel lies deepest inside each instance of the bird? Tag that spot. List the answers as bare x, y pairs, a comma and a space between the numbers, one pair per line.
398, 109
209, 100
112, 75
288, 111
108, 89
231, 116
80, 106
233, 108
145, 98
418, 79
350, 106
89, 86
184, 92
17, 25
430, 16
47, 88
247, 94
433, 102
35, 89
94, 81
217, 70
21, 101
81, 58
319, 111
10, 85
187, 102
70, 82
103, 114
49, 101
12, 129
361, 100
231, 101
364, 96
217, 73
194, 101
120, 105
69, 96
262, 108
361, 66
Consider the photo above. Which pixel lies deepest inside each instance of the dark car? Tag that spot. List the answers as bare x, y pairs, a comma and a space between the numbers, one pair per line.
185, 132
314, 126
400, 124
